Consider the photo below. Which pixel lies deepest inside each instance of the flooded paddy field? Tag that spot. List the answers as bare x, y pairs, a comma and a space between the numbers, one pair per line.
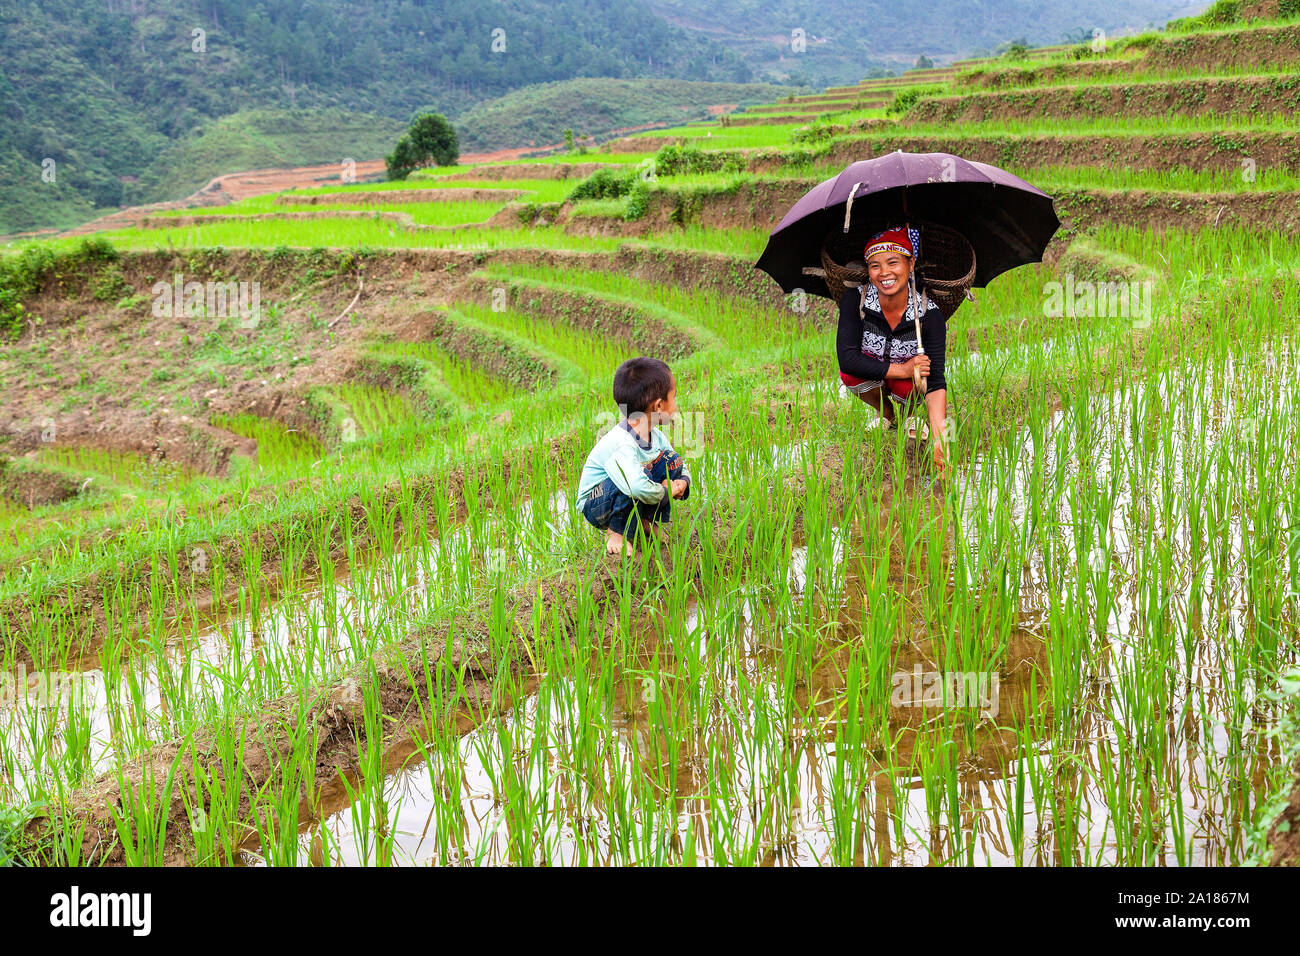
1063, 653
1096, 707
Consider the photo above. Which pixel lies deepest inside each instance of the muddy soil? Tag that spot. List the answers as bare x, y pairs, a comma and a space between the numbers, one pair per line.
31, 489
1239, 49
642, 144
1187, 212
1284, 835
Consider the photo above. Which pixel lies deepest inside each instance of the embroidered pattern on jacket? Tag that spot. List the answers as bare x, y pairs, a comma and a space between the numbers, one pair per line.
873, 343
872, 302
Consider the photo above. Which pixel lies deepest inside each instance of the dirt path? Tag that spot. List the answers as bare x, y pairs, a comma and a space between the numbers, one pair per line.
233, 187
227, 189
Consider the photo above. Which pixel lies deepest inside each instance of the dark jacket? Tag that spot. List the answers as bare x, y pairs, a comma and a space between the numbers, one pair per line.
866, 346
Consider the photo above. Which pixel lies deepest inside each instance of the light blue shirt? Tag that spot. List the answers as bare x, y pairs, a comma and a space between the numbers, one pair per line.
620, 457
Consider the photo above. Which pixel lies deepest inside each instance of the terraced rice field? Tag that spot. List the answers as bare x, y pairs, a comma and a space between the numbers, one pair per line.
309, 587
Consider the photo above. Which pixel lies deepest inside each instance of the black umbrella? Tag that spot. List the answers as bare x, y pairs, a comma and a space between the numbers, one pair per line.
1007, 221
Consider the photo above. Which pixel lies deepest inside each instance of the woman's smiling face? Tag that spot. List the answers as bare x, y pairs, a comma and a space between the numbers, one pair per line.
888, 271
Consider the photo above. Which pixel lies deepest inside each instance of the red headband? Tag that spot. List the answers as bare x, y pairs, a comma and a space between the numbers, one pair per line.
890, 240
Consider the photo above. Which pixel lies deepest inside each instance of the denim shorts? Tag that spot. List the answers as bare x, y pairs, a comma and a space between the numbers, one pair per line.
607, 508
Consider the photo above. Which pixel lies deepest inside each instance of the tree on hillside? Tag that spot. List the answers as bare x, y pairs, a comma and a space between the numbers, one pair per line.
430, 141
923, 62
1017, 49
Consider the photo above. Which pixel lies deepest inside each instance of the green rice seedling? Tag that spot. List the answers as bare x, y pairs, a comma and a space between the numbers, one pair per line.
712, 136
118, 467
141, 823
731, 319
278, 446
277, 807
370, 812
422, 213
595, 355
1092, 124
1175, 180
68, 846
338, 233
470, 383
373, 409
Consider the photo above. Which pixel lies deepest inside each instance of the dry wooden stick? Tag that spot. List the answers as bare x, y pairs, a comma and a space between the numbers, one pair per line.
360, 286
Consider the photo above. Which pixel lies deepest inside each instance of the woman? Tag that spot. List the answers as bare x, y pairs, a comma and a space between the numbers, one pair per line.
877, 344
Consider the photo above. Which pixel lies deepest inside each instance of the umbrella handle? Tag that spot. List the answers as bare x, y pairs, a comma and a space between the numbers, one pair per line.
918, 379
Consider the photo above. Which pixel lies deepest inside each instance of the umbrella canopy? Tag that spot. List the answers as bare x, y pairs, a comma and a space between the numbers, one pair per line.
1007, 221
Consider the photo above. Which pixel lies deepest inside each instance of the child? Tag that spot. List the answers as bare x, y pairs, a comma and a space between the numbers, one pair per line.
633, 473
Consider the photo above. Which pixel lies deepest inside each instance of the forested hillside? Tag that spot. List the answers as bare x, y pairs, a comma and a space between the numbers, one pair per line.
103, 87
105, 103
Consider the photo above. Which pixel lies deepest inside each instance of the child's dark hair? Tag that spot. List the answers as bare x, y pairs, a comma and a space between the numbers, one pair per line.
640, 381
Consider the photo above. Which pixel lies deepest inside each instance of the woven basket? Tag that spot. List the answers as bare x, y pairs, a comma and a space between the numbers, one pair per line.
945, 271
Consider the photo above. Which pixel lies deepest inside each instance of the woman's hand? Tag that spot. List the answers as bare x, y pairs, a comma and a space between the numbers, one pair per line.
907, 369
941, 427
679, 487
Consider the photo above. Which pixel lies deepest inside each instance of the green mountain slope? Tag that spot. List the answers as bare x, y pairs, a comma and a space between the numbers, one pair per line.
257, 139
103, 87
844, 40
539, 114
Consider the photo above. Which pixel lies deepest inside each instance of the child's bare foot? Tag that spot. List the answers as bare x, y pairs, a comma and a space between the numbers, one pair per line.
615, 543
